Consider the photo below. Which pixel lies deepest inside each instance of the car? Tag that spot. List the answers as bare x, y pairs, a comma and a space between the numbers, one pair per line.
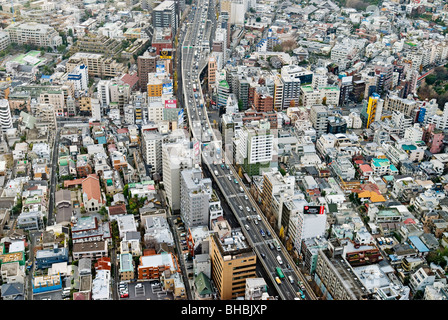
271, 246
124, 295
248, 209
236, 181
245, 197
263, 255
247, 227
240, 207
268, 233
253, 209
230, 178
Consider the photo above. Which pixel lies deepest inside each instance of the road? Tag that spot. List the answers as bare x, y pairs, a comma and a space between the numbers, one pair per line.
194, 59
53, 179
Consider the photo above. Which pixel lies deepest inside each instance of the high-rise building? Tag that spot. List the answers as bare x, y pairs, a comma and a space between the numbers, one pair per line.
319, 119
5, 115
374, 109
154, 86
223, 93
152, 150
263, 101
233, 261
254, 147
80, 78
212, 67
274, 183
164, 15
195, 193
176, 156
146, 63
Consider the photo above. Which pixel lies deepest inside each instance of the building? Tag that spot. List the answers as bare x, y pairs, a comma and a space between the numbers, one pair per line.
319, 119
176, 157
254, 147
146, 63
5, 115
152, 150
38, 34
374, 109
98, 65
195, 193
91, 196
164, 15
233, 261
80, 79
153, 265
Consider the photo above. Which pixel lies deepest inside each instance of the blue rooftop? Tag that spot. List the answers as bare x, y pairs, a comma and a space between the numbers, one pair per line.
418, 244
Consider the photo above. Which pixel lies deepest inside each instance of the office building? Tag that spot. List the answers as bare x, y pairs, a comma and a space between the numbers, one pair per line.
233, 261
164, 15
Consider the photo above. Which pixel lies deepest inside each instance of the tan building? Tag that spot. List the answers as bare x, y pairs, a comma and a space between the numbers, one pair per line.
212, 67
98, 65
154, 86
233, 261
85, 106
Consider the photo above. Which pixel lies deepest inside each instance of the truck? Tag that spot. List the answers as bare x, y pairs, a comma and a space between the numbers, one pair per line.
194, 89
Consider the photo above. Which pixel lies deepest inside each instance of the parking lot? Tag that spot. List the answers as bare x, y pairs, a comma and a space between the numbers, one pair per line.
144, 290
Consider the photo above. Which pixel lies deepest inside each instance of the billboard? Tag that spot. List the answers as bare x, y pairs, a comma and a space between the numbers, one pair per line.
197, 149
314, 209
180, 118
170, 104
160, 68
167, 88
166, 54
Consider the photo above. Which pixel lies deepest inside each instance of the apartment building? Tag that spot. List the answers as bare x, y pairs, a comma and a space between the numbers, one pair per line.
34, 33
5, 115
146, 63
98, 65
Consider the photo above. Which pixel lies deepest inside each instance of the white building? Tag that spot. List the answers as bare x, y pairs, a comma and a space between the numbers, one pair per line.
5, 115
152, 150
41, 35
80, 78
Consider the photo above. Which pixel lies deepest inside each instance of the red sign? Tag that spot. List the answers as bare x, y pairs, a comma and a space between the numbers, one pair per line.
170, 104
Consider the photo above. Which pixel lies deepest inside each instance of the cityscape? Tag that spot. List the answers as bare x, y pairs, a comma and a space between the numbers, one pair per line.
224, 150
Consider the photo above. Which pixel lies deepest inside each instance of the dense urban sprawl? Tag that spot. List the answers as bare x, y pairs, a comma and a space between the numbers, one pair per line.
221, 150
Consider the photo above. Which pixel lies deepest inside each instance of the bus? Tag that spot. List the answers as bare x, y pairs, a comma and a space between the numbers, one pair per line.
279, 272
